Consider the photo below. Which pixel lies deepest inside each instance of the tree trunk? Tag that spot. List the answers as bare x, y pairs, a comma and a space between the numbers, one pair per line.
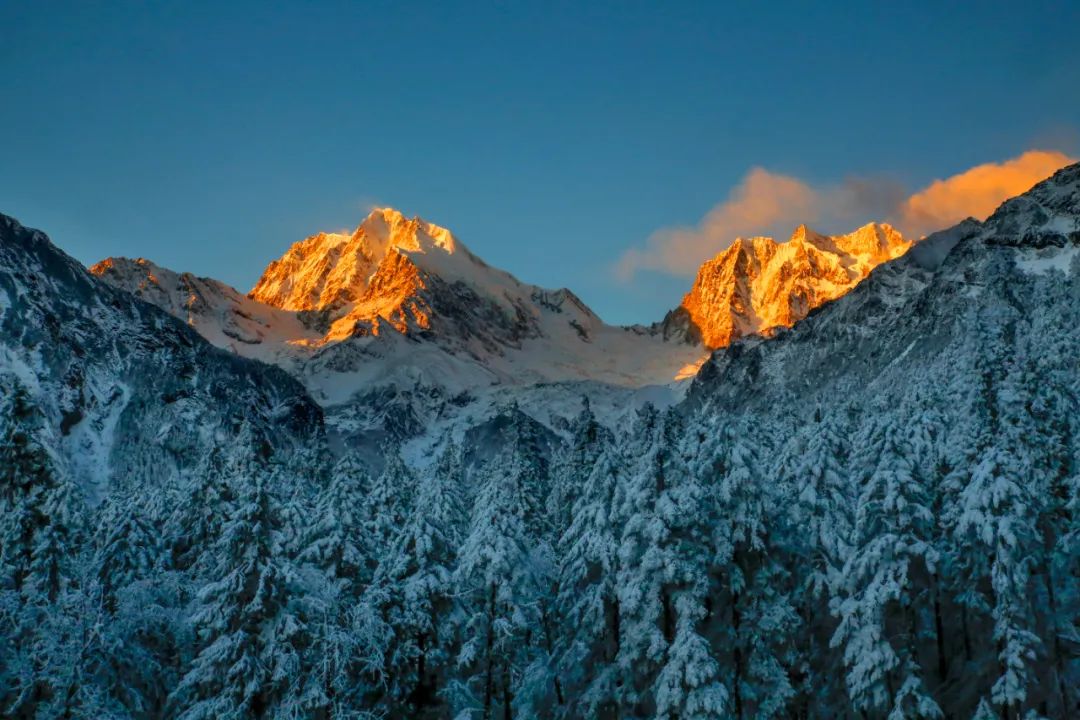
1059, 666
966, 632
737, 655
489, 676
939, 631
508, 697
669, 617
549, 644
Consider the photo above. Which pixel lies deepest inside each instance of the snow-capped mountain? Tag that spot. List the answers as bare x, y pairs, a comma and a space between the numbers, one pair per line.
379, 303
758, 284
399, 326
397, 329
219, 313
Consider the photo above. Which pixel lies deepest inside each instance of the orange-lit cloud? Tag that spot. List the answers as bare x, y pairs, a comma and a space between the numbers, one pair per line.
767, 203
976, 192
763, 200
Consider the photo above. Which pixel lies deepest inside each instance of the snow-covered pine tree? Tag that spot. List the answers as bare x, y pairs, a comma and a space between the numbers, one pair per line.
645, 614
819, 502
587, 604
574, 465
40, 506
333, 555
996, 528
127, 549
389, 500
823, 505
753, 620
495, 583
1044, 410
689, 684
415, 588
531, 469
889, 560
336, 542
200, 498
80, 667
42, 549
248, 618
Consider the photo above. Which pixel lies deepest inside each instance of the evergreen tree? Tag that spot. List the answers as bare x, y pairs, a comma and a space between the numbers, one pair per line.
529, 465
200, 500
996, 522
389, 500
250, 632
127, 549
336, 541
574, 466
819, 499
752, 617
646, 620
587, 601
494, 579
416, 587
877, 610
690, 682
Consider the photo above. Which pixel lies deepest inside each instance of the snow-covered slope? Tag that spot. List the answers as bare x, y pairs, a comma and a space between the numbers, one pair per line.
129, 393
402, 306
402, 297
218, 312
759, 284
401, 333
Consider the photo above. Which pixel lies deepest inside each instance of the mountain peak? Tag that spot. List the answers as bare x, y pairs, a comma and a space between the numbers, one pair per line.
329, 271
759, 284
803, 233
412, 234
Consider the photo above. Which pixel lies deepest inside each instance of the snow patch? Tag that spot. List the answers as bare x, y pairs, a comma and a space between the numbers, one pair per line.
1046, 260
90, 441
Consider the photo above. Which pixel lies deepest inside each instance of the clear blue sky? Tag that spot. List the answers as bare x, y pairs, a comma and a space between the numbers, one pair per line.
549, 136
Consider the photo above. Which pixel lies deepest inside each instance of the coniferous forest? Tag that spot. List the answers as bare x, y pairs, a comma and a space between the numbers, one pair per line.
910, 552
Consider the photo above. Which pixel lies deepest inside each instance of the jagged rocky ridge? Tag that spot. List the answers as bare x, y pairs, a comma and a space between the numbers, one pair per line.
874, 514
759, 284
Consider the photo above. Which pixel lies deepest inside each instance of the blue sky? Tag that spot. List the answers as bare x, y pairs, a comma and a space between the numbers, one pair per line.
550, 137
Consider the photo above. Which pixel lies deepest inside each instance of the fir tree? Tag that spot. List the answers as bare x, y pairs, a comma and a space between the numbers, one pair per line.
251, 635
416, 587
890, 548
587, 601
494, 579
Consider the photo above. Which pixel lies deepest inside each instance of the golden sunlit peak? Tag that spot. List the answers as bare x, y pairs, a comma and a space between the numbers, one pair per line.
414, 234
338, 270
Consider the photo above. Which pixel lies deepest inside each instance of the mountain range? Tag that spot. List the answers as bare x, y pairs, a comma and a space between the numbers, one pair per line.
379, 322
395, 480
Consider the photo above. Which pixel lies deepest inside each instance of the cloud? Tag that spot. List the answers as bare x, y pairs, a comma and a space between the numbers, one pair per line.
761, 202
976, 192
772, 204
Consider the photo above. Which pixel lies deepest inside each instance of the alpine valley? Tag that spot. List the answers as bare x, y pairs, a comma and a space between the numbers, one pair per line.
841, 479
